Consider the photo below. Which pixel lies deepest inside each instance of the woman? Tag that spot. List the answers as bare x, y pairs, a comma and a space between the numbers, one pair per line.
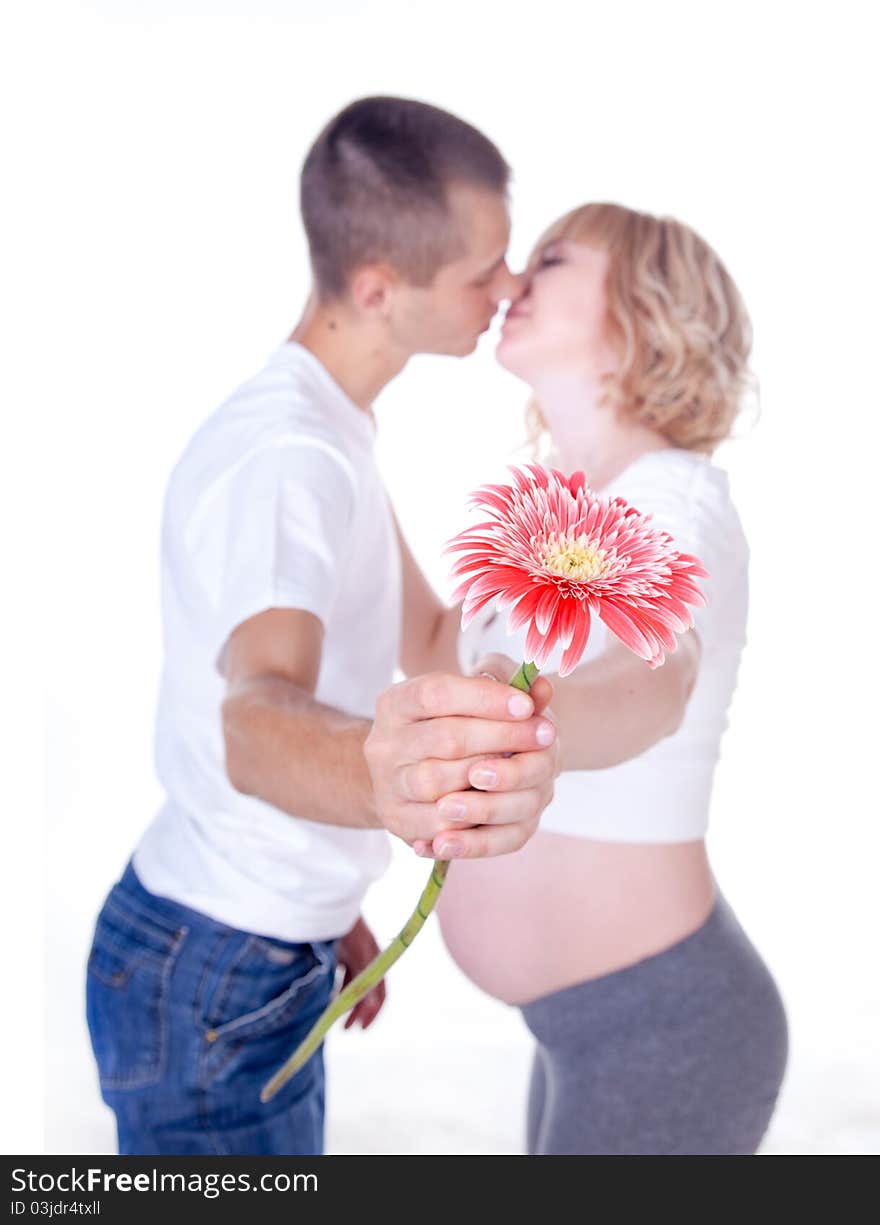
659, 1029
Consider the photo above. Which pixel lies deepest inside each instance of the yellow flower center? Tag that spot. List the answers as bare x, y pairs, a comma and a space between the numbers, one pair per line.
575, 559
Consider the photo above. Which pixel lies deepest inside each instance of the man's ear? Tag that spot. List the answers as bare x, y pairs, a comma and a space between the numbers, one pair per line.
372, 287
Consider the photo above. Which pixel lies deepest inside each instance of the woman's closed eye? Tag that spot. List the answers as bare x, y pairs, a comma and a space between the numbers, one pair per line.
547, 261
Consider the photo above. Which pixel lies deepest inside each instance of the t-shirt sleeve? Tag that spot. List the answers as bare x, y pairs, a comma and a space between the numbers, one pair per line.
274, 535
700, 518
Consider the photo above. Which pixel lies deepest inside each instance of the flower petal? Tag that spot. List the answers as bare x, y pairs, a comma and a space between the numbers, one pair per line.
524, 610
546, 609
572, 655
619, 622
538, 646
468, 614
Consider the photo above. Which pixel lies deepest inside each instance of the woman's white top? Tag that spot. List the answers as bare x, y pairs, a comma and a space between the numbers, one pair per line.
664, 794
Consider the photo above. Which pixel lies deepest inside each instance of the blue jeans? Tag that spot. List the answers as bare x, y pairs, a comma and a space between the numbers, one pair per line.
189, 1018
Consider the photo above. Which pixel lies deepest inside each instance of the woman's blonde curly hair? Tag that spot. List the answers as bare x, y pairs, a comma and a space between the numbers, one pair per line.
681, 327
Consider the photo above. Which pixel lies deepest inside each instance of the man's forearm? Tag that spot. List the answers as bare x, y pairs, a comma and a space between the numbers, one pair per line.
297, 754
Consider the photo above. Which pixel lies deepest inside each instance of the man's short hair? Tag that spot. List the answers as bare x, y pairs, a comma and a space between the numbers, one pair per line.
375, 185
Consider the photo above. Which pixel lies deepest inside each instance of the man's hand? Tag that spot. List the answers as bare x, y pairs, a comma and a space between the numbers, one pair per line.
502, 668
463, 765
355, 951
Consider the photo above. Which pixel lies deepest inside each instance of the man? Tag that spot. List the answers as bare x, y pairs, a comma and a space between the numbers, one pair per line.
289, 596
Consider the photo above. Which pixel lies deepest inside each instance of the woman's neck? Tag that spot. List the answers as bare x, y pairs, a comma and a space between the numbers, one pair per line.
589, 435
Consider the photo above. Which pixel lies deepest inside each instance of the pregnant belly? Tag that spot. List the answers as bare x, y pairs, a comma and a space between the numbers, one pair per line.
564, 910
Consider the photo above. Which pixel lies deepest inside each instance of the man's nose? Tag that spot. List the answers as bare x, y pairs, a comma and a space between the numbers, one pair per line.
508, 285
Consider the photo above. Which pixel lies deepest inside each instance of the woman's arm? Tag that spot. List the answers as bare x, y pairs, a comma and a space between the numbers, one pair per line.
615, 707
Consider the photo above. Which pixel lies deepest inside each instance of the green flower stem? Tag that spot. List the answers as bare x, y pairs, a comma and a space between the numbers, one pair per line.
379, 966
524, 677
365, 981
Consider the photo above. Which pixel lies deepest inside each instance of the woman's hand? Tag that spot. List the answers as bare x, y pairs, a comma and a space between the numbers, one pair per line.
355, 951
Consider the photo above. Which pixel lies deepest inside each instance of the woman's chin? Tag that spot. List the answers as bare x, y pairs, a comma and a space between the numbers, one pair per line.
512, 357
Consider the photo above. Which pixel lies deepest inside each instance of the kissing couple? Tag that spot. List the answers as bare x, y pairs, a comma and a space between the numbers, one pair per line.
582, 893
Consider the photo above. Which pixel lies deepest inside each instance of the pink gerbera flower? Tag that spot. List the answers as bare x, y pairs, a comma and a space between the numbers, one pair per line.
556, 553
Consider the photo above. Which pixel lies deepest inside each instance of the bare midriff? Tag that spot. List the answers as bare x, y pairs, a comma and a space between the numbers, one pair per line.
564, 910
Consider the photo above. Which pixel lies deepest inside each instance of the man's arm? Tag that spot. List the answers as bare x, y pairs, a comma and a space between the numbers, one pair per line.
282, 745
430, 629
313, 761
615, 707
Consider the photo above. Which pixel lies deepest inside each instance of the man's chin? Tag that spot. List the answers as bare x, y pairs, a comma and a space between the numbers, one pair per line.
460, 348
467, 346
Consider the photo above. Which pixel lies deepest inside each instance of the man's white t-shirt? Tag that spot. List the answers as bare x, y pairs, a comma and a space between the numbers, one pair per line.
276, 502
664, 794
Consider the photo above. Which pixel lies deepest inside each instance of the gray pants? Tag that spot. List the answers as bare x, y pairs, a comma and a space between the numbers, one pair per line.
681, 1053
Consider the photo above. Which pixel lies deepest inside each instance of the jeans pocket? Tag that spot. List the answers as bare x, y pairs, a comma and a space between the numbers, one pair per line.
266, 994
127, 979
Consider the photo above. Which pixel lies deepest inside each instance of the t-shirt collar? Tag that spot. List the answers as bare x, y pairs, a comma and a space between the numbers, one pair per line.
361, 420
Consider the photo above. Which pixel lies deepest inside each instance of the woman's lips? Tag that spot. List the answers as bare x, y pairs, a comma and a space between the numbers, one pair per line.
514, 314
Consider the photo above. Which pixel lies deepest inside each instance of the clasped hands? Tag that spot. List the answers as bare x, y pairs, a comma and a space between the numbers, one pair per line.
463, 766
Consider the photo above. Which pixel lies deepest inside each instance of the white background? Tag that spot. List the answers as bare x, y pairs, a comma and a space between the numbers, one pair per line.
156, 259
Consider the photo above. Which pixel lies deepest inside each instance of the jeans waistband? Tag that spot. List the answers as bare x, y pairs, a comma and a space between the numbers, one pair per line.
177, 913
